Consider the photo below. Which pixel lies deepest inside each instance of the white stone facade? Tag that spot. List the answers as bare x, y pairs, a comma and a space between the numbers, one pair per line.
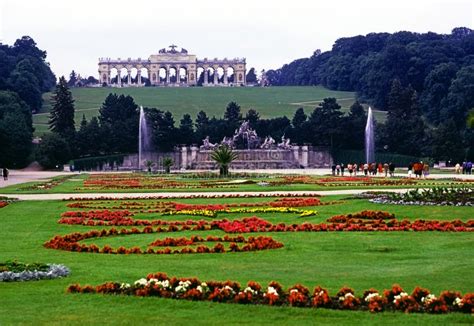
172, 68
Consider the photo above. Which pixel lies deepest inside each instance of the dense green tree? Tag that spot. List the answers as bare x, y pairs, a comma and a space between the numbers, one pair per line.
72, 79
446, 143
202, 126
355, 122
61, 118
53, 151
24, 82
404, 129
298, 134
325, 124
232, 115
252, 117
118, 117
461, 97
299, 118
186, 131
89, 138
16, 131
251, 76
436, 89
164, 132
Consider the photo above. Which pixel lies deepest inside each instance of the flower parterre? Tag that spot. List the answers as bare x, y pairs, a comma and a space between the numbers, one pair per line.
70, 242
395, 299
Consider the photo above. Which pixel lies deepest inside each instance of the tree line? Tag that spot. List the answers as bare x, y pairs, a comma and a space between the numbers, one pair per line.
115, 130
24, 77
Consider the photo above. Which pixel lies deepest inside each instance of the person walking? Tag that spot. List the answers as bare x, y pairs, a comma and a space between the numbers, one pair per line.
410, 170
469, 167
5, 173
380, 168
426, 170
333, 169
385, 169
366, 169
342, 169
457, 168
349, 168
338, 169
391, 169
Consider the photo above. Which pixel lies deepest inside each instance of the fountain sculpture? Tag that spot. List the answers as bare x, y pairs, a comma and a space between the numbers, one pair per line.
369, 138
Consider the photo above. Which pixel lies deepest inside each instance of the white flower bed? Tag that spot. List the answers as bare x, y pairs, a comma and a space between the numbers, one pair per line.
54, 271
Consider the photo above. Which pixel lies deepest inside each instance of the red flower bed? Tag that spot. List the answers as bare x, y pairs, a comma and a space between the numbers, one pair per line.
160, 285
70, 242
3, 203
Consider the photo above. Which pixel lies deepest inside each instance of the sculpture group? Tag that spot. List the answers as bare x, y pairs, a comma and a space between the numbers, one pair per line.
246, 138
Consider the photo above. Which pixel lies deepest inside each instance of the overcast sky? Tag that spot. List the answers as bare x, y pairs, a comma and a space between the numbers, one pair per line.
268, 33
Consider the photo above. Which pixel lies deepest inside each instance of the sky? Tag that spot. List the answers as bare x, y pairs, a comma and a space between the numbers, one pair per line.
267, 33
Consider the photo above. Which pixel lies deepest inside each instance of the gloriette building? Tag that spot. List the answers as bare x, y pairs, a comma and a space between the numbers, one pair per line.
172, 67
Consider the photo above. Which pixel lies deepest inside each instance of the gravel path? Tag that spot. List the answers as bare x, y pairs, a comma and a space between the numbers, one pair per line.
191, 194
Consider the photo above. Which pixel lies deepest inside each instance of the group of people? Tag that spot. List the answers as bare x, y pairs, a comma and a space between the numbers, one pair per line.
466, 168
419, 169
5, 173
365, 168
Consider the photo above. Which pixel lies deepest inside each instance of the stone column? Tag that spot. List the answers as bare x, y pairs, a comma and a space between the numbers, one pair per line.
194, 150
119, 79
184, 157
296, 155
304, 156
129, 77
206, 72
167, 74
216, 76
139, 77
225, 77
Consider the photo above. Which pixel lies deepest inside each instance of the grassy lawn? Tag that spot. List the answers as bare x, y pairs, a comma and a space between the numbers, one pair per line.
269, 101
435, 260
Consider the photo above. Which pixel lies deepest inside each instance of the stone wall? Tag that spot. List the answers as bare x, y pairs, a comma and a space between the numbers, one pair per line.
191, 157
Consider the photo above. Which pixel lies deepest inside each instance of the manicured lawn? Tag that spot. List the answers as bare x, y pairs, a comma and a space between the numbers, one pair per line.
361, 260
269, 101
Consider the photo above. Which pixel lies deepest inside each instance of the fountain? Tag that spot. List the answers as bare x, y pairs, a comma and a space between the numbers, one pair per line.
144, 143
369, 138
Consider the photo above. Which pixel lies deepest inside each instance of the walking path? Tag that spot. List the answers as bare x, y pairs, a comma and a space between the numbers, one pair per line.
193, 194
16, 177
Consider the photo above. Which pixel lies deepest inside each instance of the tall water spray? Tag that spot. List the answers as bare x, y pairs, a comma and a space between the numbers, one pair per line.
369, 138
143, 138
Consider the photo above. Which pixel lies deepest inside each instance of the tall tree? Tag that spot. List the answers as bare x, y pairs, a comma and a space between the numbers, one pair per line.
16, 131
404, 128
118, 118
325, 124
233, 116
202, 126
72, 79
251, 76
61, 119
186, 131
355, 127
252, 117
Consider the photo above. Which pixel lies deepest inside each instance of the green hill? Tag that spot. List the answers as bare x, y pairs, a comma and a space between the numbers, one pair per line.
268, 101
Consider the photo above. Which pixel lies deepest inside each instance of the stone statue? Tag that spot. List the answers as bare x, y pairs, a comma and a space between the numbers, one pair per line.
285, 143
228, 141
184, 51
162, 51
207, 145
268, 143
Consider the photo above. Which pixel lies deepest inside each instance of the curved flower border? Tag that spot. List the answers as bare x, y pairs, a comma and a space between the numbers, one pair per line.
394, 299
54, 271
